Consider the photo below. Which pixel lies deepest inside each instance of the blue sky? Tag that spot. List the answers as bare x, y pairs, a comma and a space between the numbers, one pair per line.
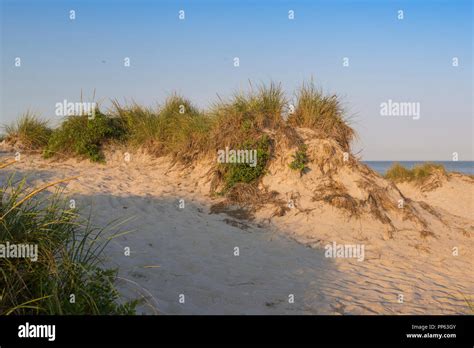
406, 60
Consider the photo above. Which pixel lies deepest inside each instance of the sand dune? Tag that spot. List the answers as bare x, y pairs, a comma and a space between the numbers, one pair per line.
455, 195
190, 251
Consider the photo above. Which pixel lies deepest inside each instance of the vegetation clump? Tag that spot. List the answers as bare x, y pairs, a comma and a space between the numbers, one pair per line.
244, 123
28, 132
418, 174
300, 159
84, 136
234, 173
247, 115
323, 114
180, 129
177, 128
247, 121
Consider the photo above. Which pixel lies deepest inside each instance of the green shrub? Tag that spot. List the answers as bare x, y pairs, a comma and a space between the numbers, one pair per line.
84, 137
182, 130
30, 132
68, 258
234, 173
300, 159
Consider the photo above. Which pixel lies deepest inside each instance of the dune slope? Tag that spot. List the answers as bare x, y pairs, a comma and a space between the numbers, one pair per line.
232, 257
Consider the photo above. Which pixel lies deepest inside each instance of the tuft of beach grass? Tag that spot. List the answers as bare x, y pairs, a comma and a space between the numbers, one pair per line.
418, 174
29, 132
323, 114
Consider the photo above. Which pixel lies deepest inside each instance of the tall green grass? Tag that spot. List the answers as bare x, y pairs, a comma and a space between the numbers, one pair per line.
29, 132
68, 260
241, 123
177, 128
246, 115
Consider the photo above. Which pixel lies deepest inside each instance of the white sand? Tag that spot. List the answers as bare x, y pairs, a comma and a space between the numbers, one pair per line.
189, 251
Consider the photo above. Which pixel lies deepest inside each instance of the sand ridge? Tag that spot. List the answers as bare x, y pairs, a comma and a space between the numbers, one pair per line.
188, 251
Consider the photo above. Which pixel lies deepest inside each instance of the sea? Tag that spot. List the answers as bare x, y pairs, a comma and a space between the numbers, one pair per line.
465, 167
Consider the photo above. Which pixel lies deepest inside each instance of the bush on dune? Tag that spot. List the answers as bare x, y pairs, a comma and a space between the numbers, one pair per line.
423, 171
181, 130
300, 159
398, 173
84, 137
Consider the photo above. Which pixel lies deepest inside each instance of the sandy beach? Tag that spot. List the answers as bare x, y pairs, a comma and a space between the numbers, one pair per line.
190, 253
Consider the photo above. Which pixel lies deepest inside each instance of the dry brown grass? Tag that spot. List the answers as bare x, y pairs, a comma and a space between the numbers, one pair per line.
335, 194
243, 200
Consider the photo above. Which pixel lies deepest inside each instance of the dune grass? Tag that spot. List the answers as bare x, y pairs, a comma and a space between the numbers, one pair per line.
418, 174
241, 123
66, 277
246, 115
177, 128
29, 132
180, 130
322, 113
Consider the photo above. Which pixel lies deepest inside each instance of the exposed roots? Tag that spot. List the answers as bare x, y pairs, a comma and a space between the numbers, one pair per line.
335, 194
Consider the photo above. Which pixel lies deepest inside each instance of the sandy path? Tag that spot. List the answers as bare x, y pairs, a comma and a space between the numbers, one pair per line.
195, 253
